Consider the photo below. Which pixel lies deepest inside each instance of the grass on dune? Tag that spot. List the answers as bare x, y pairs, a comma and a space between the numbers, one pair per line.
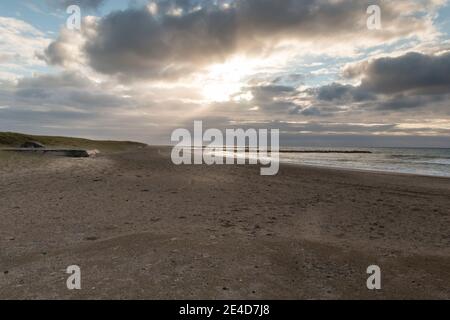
14, 140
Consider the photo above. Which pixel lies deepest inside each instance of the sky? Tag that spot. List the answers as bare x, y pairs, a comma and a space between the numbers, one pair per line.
137, 70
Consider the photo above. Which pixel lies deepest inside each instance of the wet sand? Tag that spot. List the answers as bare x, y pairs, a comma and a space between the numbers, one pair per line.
140, 227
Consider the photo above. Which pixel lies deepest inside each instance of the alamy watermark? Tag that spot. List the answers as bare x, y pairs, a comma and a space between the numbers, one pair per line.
374, 280
73, 22
374, 19
238, 147
74, 280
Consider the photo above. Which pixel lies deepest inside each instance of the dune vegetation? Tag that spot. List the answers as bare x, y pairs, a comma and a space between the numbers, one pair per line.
14, 140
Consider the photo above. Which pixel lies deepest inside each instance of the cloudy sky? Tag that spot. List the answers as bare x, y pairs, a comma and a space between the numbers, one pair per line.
139, 69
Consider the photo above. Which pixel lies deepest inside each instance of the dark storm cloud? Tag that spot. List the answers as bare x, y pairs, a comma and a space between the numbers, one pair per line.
401, 101
336, 91
33, 93
273, 98
139, 43
413, 80
271, 91
65, 79
27, 116
66, 89
415, 72
136, 43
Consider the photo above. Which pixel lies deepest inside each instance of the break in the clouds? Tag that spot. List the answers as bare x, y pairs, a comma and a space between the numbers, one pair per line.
312, 68
173, 38
19, 43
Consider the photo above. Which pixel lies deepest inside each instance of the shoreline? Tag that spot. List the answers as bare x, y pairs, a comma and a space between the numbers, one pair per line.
364, 170
398, 170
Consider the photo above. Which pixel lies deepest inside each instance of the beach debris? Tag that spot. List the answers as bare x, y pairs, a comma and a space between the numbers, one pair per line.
32, 144
92, 238
92, 153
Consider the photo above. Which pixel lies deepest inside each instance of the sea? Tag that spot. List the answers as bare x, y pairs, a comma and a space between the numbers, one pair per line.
419, 161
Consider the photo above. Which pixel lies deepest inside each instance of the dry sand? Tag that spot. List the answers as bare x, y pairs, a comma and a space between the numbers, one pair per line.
140, 227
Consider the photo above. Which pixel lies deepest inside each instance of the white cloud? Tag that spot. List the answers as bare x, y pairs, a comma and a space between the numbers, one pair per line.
20, 42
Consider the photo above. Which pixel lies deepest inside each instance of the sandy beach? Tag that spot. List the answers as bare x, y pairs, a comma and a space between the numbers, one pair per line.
142, 228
